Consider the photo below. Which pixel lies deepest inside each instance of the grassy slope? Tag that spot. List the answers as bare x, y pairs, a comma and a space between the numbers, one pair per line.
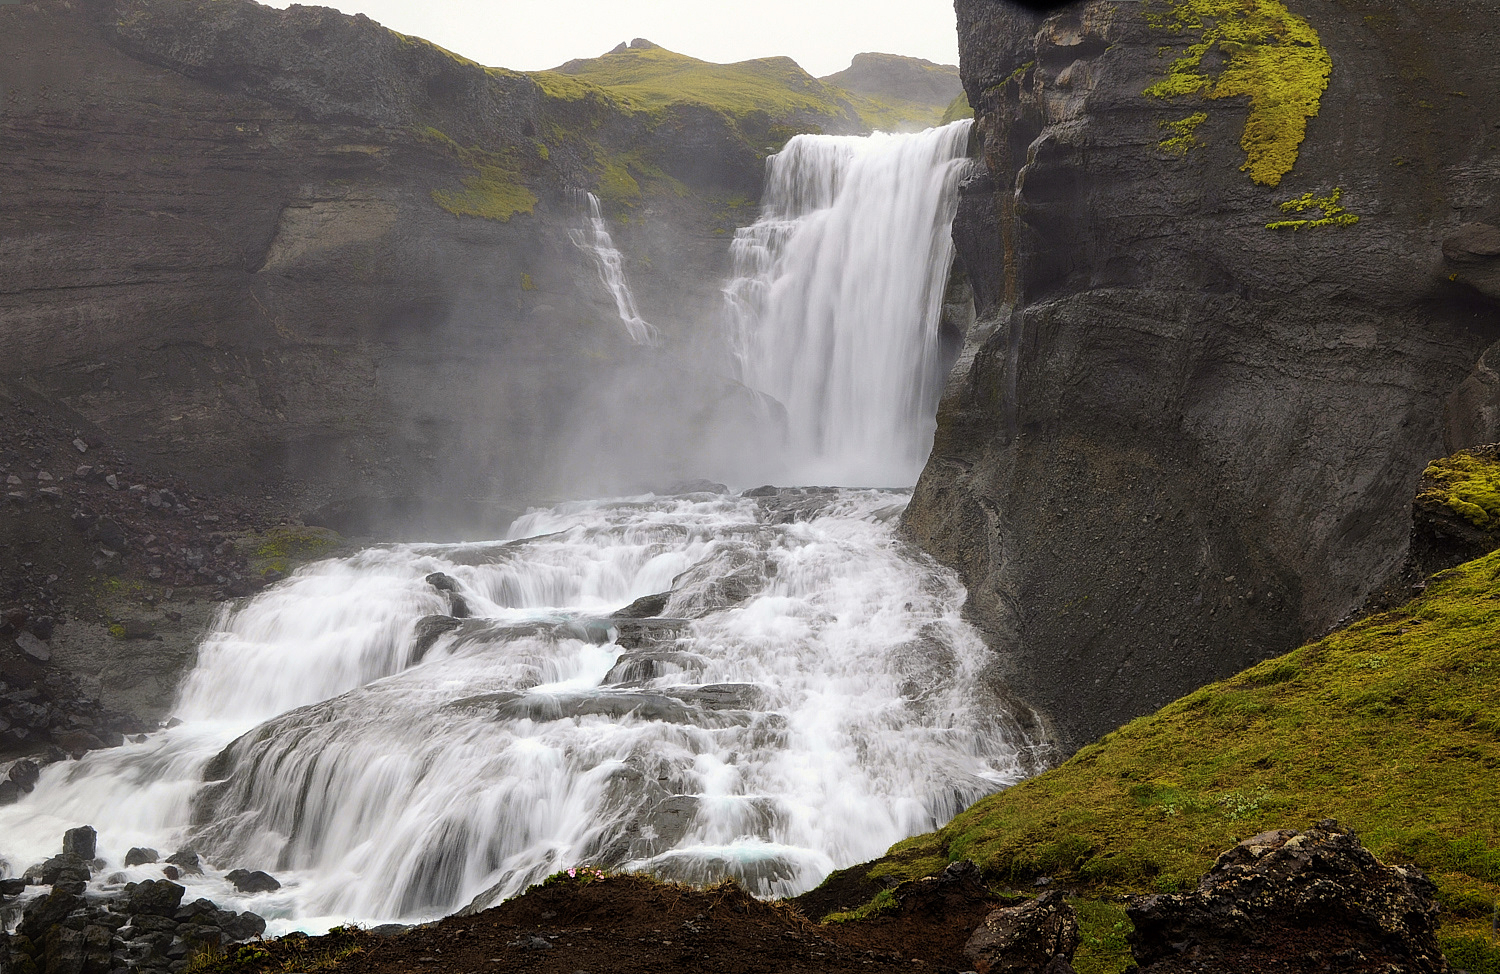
1391, 726
652, 79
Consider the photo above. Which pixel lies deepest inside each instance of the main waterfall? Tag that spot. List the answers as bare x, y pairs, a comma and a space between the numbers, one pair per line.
700, 685
837, 294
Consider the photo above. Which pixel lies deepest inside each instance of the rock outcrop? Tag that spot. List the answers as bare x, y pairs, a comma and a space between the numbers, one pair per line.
1293, 901
1214, 346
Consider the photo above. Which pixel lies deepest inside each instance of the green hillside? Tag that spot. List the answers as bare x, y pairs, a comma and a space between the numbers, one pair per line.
651, 78
1391, 726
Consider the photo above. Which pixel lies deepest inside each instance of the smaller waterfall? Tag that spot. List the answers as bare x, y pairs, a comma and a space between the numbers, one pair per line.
597, 241
837, 295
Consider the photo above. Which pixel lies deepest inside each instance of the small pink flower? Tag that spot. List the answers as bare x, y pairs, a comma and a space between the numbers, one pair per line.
572, 873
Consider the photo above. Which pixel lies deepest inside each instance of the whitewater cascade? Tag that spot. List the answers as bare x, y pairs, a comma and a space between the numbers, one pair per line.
597, 241
703, 685
806, 695
837, 296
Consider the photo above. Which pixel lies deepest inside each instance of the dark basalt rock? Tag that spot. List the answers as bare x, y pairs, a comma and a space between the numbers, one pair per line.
1036, 937
645, 607
25, 774
1177, 441
81, 842
247, 881
154, 897
187, 860
1293, 901
429, 630
141, 857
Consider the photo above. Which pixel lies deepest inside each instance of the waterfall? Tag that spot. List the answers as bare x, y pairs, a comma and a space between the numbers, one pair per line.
699, 686
838, 290
597, 241
803, 694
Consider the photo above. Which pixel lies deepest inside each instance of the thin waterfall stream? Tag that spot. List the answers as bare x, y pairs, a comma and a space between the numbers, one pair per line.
765, 686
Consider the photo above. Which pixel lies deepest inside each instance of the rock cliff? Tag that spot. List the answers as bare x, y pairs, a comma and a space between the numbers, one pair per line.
291, 252
1233, 268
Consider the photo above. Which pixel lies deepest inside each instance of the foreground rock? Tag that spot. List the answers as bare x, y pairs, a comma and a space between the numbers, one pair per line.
1037, 937
1293, 901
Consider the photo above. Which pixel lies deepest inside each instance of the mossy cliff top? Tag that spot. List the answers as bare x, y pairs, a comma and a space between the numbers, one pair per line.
1465, 487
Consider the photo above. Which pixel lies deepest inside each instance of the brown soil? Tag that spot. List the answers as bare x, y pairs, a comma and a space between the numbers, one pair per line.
625, 924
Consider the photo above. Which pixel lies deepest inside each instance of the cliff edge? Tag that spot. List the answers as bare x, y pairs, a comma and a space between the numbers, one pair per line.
1234, 283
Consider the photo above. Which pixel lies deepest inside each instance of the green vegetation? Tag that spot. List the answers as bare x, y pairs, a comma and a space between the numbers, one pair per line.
1183, 138
1102, 929
957, 109
882, 902
1391, 726
656, 78
493, 190
773, 89
284, 548
1269, 55
1334, 215
1468, 484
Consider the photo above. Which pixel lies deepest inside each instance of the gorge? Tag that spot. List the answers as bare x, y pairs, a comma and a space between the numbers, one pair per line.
1223, 282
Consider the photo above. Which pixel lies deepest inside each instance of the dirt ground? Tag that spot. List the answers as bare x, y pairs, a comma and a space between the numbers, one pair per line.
628, 924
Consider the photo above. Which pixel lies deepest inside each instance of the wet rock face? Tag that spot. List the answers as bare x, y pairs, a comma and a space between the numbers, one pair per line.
1293, 901
1178, 439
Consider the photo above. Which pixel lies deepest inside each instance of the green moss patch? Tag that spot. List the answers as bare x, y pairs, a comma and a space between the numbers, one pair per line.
1334, 215
1391, 726
1466, 484
282, 549
1102, 931
1265, 53
957, 109
493, 189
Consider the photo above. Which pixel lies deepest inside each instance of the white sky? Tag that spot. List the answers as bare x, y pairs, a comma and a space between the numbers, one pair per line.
528, 35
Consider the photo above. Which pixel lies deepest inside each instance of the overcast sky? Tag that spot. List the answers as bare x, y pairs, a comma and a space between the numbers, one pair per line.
528, 35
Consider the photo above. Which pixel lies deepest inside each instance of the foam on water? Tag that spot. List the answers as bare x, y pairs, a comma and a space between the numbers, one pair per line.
810, 697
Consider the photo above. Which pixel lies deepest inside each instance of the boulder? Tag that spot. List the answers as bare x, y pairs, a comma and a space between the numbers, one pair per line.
82, 842
247, 881
33, 647
9, 793
187, 861
141, 857
25, 775
154, 897
241, 926
428, 630
645, 607
12, 887
1035, 937
1293, 901
60, 869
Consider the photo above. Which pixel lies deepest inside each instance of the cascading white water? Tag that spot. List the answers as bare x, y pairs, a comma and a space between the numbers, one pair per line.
597, 241
837, 297
807, 695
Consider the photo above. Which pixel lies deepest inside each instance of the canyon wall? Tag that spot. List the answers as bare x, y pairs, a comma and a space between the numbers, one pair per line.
1184, 432
295, 253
